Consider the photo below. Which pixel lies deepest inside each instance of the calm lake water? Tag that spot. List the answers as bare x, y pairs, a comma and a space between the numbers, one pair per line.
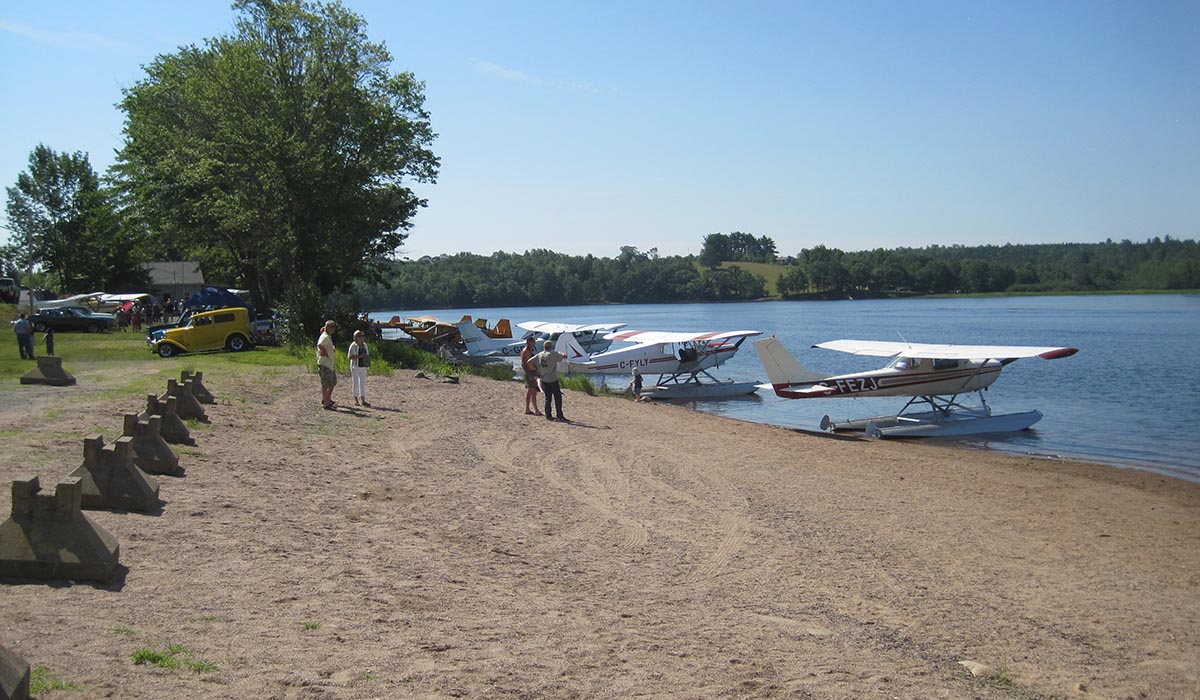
1129, 397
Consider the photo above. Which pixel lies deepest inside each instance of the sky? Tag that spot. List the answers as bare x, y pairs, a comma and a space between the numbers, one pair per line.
584, 127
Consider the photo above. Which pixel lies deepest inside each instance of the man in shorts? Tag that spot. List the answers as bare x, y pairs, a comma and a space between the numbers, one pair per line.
531, 378
325, 365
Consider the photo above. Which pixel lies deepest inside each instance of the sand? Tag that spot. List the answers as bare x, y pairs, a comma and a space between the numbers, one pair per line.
443, 544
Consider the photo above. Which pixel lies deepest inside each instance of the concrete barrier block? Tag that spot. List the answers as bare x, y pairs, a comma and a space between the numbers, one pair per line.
48, 371
170, 427
202, 394
110, 479
186, 404
14, 675
151, 453
50, 538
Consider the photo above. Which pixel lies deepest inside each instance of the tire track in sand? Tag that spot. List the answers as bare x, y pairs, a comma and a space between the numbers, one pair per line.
601, 485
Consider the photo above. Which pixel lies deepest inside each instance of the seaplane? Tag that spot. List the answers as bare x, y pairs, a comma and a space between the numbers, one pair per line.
593, 338
681, 360
932, 376
589, 337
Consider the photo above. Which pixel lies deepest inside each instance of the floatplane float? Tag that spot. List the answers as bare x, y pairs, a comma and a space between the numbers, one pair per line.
933, 376
681, 360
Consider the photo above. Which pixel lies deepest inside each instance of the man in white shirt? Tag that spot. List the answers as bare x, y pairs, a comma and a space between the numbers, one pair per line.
326, 366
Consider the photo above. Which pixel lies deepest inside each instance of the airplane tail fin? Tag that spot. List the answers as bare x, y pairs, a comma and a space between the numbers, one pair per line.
503, 329
569, 346
472, 337
781, 367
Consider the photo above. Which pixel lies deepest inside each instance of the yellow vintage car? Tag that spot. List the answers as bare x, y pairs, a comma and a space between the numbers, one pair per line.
207, 330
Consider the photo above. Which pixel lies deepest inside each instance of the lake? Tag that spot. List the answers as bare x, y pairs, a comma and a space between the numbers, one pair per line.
1128, 398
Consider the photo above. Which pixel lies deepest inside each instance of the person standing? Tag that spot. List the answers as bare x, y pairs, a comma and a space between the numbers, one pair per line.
326, 366
546, 363
635, 385
531, 378
49, 340
360, 360
24, 330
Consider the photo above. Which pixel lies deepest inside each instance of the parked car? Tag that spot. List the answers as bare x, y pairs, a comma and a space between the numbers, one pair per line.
207, 330
72, 318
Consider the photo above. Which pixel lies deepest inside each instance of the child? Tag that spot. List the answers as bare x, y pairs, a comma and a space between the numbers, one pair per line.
360, 360
50, 341
636, 385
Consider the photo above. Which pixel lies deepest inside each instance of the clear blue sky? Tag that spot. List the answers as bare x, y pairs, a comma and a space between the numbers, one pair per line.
583, 127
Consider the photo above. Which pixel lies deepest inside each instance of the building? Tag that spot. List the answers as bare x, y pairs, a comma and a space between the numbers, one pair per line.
175, 280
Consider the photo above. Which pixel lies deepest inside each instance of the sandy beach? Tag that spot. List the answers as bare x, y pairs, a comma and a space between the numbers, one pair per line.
443, 544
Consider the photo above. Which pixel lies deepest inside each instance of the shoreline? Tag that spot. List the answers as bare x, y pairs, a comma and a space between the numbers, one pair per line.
443, 544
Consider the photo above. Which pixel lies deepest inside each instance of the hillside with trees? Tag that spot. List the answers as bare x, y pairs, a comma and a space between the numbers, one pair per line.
542, 277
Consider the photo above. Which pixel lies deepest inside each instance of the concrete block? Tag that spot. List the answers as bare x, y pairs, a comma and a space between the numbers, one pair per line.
202, 394
172, 429
14, 675
48, 371
151, 453
110, 479
50, 538
186, 404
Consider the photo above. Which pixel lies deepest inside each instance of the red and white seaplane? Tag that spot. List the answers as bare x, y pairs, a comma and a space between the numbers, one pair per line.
681, 360
932, 375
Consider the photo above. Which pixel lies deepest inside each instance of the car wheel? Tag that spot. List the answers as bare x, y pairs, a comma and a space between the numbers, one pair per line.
237, 343
166, 350
93, 328
40, 326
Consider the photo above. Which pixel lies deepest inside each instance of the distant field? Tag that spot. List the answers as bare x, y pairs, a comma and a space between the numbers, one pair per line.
768, 271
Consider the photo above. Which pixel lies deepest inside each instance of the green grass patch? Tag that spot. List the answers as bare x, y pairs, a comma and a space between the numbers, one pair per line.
771, 272
310, 626
173, 657
121, 629
148, 656
41, 681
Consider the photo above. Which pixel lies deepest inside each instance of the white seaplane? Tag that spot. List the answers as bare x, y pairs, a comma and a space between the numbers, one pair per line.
932, 375
593, 338
589, 337
681, 360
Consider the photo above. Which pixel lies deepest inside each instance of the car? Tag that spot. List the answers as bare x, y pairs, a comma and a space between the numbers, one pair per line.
206, 330
72, 318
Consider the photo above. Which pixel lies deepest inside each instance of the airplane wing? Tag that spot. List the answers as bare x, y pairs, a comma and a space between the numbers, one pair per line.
883, 348
552, 328
646, 337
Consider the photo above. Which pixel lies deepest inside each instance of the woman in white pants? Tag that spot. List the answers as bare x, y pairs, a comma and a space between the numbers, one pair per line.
360, 360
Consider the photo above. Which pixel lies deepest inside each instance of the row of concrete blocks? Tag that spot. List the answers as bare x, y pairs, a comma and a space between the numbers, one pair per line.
49, 537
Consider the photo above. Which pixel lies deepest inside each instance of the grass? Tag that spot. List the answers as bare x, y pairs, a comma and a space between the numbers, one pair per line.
310, 626
121, 364
173, 657
121, 629
41, 681
771, 272
582, 382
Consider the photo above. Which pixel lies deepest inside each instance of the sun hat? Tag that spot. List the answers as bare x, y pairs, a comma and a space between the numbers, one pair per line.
548, 344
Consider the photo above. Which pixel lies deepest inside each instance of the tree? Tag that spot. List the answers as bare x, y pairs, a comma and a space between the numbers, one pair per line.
278, 155
715, 250
793, 281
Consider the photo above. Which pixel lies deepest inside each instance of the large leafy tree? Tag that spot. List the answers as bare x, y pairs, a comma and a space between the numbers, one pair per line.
78, 235
278, 155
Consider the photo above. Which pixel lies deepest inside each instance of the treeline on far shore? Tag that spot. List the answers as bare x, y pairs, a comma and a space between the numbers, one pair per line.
546, 278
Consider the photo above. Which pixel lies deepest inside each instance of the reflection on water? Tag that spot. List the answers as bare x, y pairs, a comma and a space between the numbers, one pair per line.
1128, 397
